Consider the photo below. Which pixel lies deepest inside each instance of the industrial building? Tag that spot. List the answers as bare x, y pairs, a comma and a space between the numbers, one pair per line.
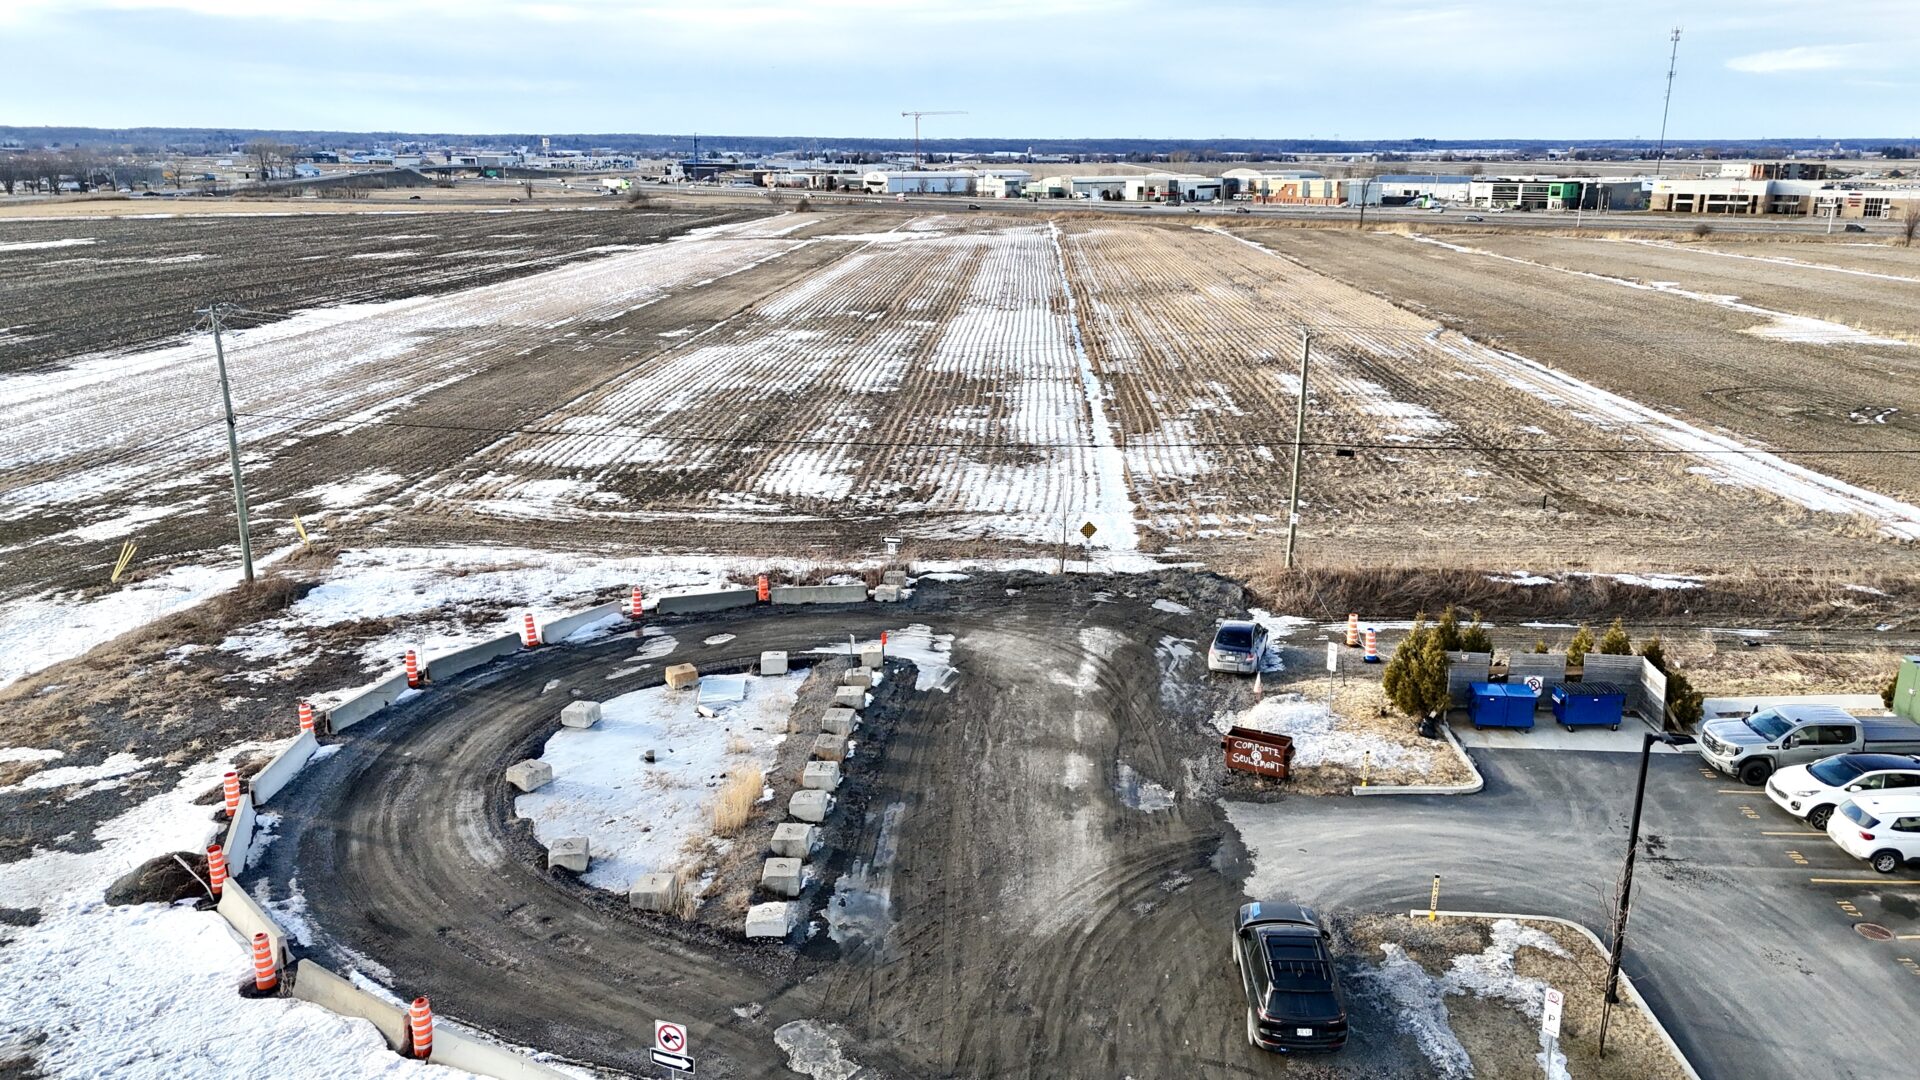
1419, 189
921, 183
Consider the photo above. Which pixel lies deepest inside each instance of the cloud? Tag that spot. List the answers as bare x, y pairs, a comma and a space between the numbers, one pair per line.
1804, 58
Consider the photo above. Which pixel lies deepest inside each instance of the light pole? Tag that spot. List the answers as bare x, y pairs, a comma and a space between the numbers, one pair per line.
1626, 879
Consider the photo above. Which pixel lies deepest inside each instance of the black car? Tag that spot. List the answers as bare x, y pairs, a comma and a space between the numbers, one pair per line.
1293, 996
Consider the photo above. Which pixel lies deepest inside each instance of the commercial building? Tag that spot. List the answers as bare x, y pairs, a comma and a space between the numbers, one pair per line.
1804, 198
920, 183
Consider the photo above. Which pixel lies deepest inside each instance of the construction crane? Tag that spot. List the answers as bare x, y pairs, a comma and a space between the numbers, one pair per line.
917, 114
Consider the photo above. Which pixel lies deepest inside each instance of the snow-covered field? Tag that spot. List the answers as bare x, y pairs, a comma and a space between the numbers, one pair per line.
642, 818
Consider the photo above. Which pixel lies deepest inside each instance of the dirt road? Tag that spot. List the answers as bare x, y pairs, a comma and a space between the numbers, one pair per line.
1042, 865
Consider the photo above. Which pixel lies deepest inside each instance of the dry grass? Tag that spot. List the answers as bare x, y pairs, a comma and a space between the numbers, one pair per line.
733, 805
1362, 707
1742, 671
1430, 583
737, 745
1500, 1038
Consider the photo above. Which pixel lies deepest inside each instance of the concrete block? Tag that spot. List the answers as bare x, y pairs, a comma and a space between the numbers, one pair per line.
655, 892
886, 594
820, 775
794, 839
681, 676
850, 697
830, 747
896, 578
530, 775
872, 656
819, 594
859, 677
839, 722
773, 662
581, 714
568, 853
782, 876
774, 920
809, 805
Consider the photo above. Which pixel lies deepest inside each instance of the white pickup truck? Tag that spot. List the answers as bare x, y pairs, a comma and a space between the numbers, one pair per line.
1751, 747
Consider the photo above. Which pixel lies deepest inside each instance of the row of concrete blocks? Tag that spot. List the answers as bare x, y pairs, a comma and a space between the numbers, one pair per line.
785, 874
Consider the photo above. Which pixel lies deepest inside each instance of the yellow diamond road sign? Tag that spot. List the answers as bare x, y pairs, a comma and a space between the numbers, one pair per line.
1088, 530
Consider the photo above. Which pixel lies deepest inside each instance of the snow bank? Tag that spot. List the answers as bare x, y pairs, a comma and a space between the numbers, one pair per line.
1319, 738
149, 991
640, 818
931, 654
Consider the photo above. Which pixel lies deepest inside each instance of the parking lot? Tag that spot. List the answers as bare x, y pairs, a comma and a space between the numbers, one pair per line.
1743, 930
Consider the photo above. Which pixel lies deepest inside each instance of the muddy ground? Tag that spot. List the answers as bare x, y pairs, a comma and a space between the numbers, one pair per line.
122, 283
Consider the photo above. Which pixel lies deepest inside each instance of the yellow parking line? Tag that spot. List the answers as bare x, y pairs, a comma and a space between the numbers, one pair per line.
1890, 882
1793, 834
1906, 937
1734, 791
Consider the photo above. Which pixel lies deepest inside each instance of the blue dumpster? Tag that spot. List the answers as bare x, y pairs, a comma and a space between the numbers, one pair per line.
1503, 705
1589, 705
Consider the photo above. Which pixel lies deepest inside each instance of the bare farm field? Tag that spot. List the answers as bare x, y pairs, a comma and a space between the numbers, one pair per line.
70, 287
804, 384
1809, 354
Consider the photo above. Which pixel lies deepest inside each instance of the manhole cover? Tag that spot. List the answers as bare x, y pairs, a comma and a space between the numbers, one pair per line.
1873, 931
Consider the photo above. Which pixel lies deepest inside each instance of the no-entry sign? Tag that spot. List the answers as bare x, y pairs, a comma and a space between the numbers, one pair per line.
669, 1037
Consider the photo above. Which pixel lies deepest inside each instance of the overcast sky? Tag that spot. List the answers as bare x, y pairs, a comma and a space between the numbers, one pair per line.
1354, 69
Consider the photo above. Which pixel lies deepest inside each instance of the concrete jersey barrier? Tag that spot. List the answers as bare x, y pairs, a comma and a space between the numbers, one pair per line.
372, 700
248, 918
239, 835
284, 767
820, 594
316, 984
458, 1049
561, 629
716, 600
446, 667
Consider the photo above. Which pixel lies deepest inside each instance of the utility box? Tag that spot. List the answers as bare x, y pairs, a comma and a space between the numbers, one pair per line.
1508, 705
1589, 705
1906, 689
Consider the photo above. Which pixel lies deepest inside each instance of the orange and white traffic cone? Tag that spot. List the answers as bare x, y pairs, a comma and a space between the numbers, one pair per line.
306, 717
1353, 631
266, 970
231, 783
216, 869
637, 609
529, 636
1258, 688
420, 1017
413, 669
764, 588
883, 643
1373, 647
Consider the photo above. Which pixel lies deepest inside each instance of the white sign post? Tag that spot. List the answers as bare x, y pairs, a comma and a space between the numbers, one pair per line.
1333, 666
1550, 1024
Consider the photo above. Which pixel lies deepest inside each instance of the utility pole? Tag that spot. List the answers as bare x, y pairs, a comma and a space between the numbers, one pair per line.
214, 314
1673, 60
1299, 437
1364, 183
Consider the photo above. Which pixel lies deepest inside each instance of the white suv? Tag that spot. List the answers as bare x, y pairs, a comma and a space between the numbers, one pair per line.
1882, 829
1812, 791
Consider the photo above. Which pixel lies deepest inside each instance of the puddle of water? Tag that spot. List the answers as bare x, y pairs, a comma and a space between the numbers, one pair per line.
861, 911
1140, 793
